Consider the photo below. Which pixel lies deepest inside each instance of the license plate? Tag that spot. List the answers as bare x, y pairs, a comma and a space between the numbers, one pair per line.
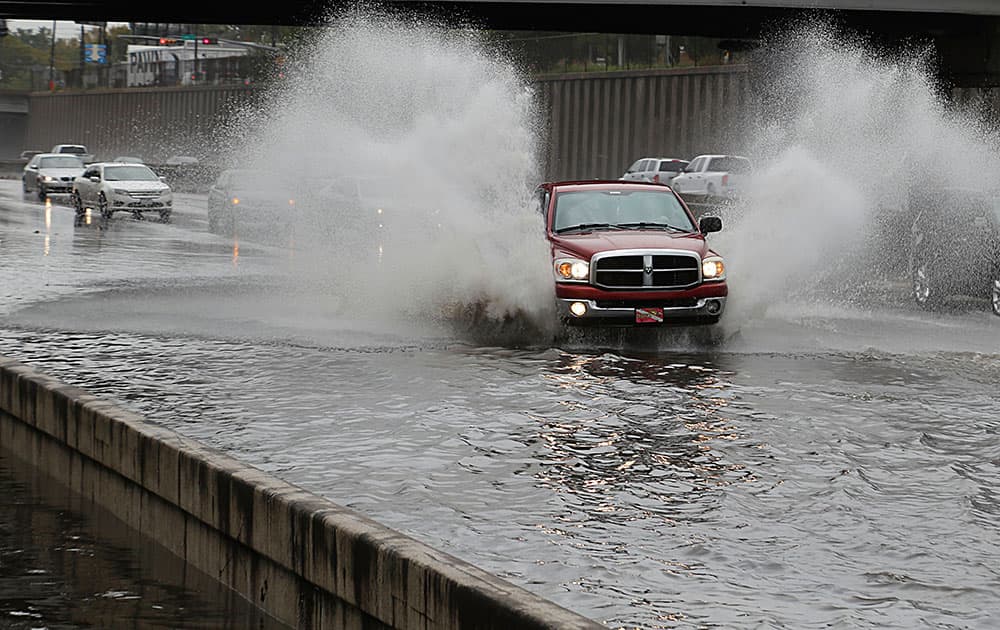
649, 315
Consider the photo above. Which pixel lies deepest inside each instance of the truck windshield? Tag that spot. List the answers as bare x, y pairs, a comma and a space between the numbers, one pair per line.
729, 164
129, 173
68, 161
620, 208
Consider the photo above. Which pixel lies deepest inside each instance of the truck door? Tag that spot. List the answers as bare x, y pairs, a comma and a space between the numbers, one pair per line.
687, 182
85, 187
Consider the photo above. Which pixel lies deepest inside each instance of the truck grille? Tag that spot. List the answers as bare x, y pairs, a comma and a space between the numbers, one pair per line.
646, 270
676, 303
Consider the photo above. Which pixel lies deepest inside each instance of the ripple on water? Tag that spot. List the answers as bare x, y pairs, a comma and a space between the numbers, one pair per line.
641, 489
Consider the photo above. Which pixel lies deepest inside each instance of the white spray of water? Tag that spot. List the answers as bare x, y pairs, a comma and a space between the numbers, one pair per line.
446, 133
839, 132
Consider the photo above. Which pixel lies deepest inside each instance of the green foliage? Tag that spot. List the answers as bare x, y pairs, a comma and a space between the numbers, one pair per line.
25, 55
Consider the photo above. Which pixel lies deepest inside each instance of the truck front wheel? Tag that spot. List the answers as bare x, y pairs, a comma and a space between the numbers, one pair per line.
995, 293
924, 281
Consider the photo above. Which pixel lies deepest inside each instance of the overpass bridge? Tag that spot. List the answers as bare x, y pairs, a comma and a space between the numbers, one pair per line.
965, 33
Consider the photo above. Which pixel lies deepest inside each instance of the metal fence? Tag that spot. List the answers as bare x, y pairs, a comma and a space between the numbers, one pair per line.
597, 123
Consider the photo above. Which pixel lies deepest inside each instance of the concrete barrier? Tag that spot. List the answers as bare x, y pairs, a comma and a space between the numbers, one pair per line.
305, 560
12, 169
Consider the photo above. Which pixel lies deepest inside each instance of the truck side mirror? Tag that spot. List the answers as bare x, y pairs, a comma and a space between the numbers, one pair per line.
710, 224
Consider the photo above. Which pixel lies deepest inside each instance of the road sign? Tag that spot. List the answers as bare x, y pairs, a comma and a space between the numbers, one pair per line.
95, 53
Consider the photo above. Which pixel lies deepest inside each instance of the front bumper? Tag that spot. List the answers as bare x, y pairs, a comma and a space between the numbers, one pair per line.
701, 304
151, 204
55, 186
705, 310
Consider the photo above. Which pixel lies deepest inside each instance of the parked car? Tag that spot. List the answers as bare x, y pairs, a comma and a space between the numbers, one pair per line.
656, 170
710, 176
251, 198
79, 150
112, 187
48, 173
955, 246
630, 254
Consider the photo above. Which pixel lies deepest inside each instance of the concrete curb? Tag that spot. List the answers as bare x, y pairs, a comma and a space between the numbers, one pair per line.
303, 559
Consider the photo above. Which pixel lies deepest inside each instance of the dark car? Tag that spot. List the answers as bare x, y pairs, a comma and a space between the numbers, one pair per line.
249, 199
631, 254
955, 246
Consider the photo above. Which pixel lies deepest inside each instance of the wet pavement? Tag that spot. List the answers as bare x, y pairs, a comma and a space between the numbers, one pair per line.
817, 465
64, 563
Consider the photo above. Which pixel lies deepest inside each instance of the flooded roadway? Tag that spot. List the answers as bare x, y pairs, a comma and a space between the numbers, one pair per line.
66, 564
824, 466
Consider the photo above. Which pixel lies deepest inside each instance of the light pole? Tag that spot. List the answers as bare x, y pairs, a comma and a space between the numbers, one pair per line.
52, 59
196, 76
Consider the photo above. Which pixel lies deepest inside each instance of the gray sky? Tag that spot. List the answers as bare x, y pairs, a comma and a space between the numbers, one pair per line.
64, 29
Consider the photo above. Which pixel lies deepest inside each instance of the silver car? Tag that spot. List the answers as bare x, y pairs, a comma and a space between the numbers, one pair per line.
112, 187
47, 173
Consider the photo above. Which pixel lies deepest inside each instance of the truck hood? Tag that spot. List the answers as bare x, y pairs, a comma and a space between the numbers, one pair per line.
133, 185
587, 244
61, 171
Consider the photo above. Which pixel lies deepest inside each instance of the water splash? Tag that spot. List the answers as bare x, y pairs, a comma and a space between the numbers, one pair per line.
444, 134
842, 132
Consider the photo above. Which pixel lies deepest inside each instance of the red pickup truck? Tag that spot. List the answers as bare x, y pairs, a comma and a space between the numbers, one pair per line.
630, 254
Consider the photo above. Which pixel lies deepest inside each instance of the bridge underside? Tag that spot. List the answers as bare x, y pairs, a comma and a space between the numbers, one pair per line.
966, 33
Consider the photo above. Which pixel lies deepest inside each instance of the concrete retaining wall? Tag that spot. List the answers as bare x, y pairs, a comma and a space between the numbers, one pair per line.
598, 122
601, 122
305, 560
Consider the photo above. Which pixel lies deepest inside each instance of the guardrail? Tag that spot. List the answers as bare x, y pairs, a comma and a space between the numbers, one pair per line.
305, 560
181, 177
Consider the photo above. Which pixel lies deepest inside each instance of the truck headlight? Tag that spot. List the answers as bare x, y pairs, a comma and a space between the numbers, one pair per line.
713, 268
572, 269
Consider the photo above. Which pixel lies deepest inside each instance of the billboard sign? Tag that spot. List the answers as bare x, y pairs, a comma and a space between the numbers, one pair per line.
95, 53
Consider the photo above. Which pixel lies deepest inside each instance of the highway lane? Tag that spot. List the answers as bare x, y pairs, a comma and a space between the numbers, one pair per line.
820, 464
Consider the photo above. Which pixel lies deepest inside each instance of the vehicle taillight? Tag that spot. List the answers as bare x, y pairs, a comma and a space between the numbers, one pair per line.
656, 178
725, 179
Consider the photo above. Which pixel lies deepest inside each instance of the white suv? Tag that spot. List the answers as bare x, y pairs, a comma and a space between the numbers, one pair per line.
122, 187
655, 170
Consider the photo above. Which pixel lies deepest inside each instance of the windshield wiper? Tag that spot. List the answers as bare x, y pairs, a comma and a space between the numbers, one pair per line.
648, 224
589, 226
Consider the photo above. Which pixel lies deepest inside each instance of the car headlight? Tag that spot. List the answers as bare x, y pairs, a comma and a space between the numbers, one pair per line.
48, 178
572, 269
119, 191
713, 268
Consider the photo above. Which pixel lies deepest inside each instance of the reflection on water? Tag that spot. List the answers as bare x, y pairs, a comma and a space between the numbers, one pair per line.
608, 439
640, 488
65, 563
